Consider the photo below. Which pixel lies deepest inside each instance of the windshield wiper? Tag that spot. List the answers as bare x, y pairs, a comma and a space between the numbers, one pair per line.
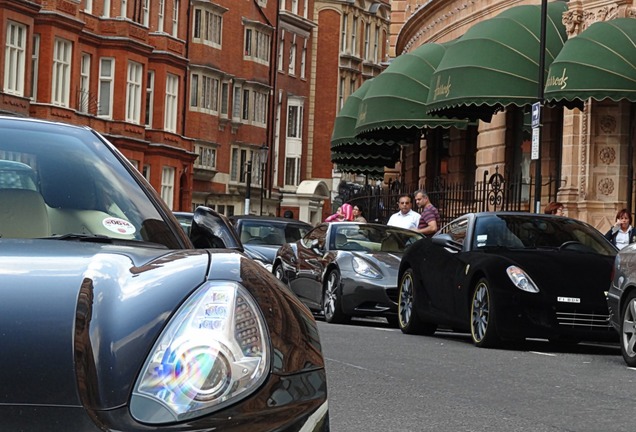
93, 238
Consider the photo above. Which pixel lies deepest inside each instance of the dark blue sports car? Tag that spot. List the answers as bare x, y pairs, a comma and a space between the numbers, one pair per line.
113, 319
509, 276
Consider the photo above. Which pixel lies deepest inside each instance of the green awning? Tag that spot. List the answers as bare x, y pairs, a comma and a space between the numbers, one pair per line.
496, 63
354, 154
598, 63
394, 105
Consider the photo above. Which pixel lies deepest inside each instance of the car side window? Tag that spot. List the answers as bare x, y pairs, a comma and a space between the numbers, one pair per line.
457, 230
317, 233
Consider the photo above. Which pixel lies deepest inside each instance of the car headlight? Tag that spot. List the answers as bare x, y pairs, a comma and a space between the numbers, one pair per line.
521, 279
213, 352
364, 268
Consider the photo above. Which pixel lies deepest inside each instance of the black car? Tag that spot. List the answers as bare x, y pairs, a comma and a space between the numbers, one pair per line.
113, 319
509, 276
621, 300
262, 236
346, 269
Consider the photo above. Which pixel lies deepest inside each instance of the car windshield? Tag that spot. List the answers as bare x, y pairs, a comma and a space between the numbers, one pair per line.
376, 238
68, 183
526, 231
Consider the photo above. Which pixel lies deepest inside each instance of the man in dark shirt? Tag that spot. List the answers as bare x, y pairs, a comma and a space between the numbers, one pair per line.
429, 218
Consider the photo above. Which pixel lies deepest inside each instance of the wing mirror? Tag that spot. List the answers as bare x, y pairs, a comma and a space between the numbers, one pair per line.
315, 246
446, 241
212, 230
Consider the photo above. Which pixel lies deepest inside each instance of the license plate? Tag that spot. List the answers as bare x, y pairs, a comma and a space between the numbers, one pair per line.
568, 300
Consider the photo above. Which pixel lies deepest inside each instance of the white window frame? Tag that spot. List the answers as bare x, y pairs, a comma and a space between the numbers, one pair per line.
175, 18
354, 37
145, 20
161, 14
207, 157
224, 99
88, 6
168, 186
294, 7
376, 44
61, 72
35, 67
83, 103
15, 58
367, 40
207, 27
150, 97
303, 60
344, 39
256, 45
123, 13
106, 11
259, 116
106, 87
281, 51
171, 103
134, 81
236, 103
291, 70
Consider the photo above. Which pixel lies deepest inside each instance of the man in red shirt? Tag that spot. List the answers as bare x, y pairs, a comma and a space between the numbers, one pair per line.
429, 218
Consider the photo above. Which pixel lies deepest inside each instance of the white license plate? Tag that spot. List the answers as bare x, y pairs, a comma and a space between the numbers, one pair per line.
568, 300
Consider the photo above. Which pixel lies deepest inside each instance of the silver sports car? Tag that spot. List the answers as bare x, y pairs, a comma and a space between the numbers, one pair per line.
346, 269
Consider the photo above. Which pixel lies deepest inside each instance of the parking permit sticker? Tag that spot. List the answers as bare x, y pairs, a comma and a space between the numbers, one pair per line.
118, 226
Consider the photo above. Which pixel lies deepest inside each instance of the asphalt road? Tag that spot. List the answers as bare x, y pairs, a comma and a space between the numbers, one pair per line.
382, 380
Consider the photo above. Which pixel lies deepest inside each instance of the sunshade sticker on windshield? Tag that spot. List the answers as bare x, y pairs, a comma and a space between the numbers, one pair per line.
118, 226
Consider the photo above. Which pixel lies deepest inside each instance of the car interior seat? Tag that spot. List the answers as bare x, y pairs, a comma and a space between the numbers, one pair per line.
390, 244
245, 236
23, 214
341, 239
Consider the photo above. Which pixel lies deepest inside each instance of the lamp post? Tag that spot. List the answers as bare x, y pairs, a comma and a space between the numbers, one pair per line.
248, 183
536, 128
263, 151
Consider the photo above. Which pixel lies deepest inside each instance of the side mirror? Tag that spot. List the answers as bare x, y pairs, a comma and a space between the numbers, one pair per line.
446, 241
212, 230
315, 246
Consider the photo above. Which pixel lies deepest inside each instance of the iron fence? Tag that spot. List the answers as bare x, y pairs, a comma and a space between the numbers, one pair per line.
493, 193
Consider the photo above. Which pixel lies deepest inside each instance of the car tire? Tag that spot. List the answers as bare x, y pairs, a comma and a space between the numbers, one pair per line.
628, 329
483, 325
279, 273
408, 320
332, 300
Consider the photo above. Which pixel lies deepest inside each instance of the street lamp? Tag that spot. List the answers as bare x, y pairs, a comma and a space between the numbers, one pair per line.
248, 182
263, 151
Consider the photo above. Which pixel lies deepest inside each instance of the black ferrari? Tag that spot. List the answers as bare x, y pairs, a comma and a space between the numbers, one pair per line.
114, 319
509, 276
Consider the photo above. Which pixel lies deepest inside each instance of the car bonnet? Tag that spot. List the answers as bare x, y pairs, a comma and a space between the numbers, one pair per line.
77, 320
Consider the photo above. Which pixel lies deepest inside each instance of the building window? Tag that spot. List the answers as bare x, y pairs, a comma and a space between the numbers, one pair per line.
238, 167
106, 78
146, 172
124, 9
295, 121
367, 40
88, 6
236, 103
294, 7
257, 46
15, 59
106, 11
85, 81
175, 18
172, 95
133, 92
281, 51
145, 13
292, 59
150, 87
161, 15
35, 67
343, 33
225, 97
354, 37
167, 186
303, 60
305, 8
207, 27
376, 41
292, 171
204, 93
245, 115
207, 157
260, 108
61, 80
341, 92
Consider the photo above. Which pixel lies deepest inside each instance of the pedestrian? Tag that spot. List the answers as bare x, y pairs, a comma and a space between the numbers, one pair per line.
554, 208
405, 216
344, 213
357, 215
622, 233
429, 222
